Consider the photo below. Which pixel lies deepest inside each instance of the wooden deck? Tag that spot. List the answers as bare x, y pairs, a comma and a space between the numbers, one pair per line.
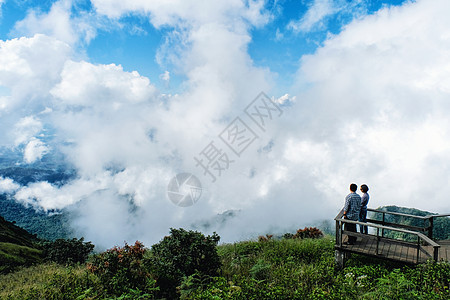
395, 250
375, 244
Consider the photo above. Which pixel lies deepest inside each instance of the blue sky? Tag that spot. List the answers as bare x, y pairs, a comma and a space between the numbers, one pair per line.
132, 41
129, 93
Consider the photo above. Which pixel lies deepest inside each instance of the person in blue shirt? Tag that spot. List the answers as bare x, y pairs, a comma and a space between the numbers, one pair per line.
352, 208
363, 213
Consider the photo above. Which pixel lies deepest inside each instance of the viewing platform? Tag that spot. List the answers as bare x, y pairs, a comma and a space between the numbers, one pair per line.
391, 241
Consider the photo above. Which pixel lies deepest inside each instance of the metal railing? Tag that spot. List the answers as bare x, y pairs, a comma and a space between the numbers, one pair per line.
428, 229
421, 238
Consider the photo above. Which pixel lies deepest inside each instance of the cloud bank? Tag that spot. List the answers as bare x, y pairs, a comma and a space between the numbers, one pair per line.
369, 106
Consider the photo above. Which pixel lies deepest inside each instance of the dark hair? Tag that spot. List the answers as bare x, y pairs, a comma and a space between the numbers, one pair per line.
364, 188
353, 187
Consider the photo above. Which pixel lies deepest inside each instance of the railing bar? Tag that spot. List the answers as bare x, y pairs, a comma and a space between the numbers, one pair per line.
407, 215
398, 225
422, 236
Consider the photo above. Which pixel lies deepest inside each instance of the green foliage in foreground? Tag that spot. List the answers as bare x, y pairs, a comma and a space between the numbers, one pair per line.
121, 270
304, 269
49, 281
183, 253
272, 269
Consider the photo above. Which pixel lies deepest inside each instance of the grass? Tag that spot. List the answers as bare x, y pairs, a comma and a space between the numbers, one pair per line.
47, 281
305, 269
273, 269
13, 255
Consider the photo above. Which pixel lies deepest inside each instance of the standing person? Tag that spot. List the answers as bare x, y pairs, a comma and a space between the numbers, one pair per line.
363, 214
352, 208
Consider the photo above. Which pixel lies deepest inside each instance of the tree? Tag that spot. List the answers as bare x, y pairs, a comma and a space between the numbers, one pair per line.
182, 254
67, 251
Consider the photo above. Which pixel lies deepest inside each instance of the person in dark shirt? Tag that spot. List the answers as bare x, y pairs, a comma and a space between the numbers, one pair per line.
363, 213
352, 209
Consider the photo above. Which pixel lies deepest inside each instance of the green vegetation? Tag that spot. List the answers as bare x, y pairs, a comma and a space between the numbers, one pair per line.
20, 248
183, 253
67, 251
13, 256
189, 265
48, 281
121, 271
17, 247
10, 233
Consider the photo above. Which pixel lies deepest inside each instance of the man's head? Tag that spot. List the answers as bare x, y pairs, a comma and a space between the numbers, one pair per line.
364, 188
353, 187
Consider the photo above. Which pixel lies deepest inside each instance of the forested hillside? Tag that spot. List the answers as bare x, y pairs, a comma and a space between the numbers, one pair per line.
49, 226
441, 225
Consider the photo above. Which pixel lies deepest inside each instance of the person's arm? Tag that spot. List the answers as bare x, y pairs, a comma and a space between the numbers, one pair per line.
346, 206
364, 200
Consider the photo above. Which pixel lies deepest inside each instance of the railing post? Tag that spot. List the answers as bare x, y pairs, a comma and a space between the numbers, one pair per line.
418, 249
430, 229
337, 233
383, 223
378, 240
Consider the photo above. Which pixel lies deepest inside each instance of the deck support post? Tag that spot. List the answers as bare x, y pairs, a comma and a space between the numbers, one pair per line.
340, 257
436, 253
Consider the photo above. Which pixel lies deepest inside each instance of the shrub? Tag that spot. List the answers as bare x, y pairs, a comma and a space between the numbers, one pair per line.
64, 251
181, 254
266, 238
308, 232
288, 236
122, 271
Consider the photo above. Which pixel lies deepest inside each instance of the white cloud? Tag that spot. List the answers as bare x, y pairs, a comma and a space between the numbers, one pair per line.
320, 11
378, 97
190, 12
113, 120
29, 67
26, 129
58, 23
314, 16
87, 85
165, 76
43, 195
34, 150
8, 186
374, 110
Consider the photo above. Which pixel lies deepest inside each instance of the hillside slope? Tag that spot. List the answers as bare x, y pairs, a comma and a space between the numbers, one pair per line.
17, 247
